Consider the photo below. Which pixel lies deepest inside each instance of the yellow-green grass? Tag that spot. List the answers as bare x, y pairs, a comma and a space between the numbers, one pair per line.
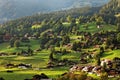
39, 60
36, 26
75, 38
66, 24
92, 27
4, 47
23, 74
111, 54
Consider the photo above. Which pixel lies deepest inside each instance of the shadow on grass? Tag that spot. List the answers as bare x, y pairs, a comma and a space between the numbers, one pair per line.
22, 74
107, 54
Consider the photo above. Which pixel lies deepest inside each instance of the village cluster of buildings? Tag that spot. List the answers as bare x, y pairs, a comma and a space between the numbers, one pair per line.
21, 66
98, 70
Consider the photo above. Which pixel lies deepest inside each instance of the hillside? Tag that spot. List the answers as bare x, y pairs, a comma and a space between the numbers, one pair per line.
113, 8
76, 12
71, 44
110, 11
12, 9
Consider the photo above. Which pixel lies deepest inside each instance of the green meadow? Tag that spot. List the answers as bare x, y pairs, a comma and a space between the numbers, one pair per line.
41, 58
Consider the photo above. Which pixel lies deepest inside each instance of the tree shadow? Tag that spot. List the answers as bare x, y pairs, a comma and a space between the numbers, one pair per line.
107, 54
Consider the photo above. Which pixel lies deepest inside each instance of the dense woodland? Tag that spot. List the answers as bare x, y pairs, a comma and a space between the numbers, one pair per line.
51, 31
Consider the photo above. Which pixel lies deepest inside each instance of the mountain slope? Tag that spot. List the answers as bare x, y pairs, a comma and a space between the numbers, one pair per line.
11, 9
111, 11
113, 8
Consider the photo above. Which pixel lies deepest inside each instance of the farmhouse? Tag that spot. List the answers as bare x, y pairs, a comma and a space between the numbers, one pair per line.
9, 65
24, 66
112, 72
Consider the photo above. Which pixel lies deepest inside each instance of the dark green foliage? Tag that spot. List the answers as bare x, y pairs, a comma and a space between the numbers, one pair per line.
101, 51
118, 27
77, 46
58, 28
1, 38
2, 78
25, 39
30, 51
98, 61
12, 42
74, 47
52, 51
97, 58
17, 44
109, 11
118, 37
64, 51
66, 39
43, 41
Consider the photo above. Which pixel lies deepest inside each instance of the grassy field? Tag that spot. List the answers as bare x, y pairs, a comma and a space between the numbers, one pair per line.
23, 74
92, 27
40, 59
36, 26
111, 54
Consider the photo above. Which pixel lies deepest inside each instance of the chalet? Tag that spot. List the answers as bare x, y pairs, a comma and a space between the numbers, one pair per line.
9, 65
108, 63
3, 54
26, 35
87, 68
68, 46
74, 68
112, 72
81, 68
97, 46
24, 66
99, 26
97, 70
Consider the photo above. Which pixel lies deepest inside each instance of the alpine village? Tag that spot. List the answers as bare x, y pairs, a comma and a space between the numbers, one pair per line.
74, 44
